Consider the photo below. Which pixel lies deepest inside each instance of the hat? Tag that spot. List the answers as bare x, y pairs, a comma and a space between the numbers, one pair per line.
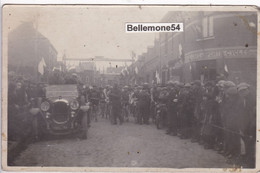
197, 82
187, 85
170, 83
231, 91
242, 86
180, 84
164, 88
176, 82
221, 83
229, 84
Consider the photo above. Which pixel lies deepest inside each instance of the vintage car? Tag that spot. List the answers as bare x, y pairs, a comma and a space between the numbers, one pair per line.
61, 112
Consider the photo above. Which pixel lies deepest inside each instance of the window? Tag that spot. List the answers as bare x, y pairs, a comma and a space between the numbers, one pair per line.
207, 26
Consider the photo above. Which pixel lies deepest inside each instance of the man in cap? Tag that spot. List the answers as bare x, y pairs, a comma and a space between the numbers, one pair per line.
144, 105
125, 102
94, 98
115, 97
134, 102
247, 122
105, 93
196, 125
210, 115
172, 105
187, 108
230, 121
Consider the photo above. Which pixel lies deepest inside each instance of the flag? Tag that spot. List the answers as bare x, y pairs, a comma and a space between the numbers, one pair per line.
181, 53
157, 76
180, 50
225, 70
124, 72
41, 66
242, 144
136, 70
226, 73
71, 68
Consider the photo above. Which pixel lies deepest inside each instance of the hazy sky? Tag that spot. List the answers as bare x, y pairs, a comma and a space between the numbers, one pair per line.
89, 31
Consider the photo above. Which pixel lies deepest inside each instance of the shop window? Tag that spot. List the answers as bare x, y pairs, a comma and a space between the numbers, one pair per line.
207, 27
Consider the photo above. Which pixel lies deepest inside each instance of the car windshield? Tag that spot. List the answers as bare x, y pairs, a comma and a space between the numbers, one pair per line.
61, 90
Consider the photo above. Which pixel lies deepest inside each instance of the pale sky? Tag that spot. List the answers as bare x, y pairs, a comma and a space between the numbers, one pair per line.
89, 31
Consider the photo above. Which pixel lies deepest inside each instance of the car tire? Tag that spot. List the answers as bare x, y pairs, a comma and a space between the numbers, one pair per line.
85, 123
36, 129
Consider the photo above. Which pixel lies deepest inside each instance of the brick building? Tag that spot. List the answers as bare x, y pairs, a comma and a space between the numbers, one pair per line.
213, 43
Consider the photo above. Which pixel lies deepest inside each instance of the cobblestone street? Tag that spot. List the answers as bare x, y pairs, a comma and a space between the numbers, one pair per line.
127, 145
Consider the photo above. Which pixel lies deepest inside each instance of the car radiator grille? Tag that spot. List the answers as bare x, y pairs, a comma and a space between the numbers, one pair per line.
60, 112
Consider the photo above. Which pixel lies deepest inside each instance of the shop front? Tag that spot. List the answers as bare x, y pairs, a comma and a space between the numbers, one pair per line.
237, 64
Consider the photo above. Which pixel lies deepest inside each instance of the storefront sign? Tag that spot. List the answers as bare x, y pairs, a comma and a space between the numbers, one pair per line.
220, 53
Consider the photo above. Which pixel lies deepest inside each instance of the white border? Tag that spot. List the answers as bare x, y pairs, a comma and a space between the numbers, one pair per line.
134, 2
158, 2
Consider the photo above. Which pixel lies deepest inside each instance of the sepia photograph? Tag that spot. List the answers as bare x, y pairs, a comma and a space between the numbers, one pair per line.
135, 87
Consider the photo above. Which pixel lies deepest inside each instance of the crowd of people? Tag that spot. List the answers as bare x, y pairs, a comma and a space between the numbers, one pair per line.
23, 94
219, 115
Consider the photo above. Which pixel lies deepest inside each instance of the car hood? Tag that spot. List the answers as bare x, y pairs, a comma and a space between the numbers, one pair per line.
61, 92
61, 99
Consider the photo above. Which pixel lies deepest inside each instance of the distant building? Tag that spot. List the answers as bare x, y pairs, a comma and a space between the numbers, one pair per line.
115, 70
87, 72
212, 44
26, 48
109, 79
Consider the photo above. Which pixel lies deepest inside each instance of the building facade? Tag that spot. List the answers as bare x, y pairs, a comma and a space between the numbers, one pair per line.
212, 44
26, 48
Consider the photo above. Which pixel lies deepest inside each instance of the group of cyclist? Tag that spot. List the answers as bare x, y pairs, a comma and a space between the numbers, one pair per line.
119, 103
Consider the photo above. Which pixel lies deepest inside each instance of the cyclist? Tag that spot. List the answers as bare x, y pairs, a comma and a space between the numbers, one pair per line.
125, 102
94, 97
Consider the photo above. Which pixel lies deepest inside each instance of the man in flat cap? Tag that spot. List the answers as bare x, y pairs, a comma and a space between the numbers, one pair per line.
231, 123
186, 103
247, 122
172, 103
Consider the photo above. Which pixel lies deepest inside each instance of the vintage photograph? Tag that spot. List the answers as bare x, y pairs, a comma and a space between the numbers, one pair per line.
129, 86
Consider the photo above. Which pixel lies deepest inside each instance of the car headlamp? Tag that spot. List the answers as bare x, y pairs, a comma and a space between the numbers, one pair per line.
74, 105
45, 106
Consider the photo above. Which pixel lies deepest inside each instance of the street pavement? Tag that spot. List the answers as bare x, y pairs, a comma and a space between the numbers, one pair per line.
127, 145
